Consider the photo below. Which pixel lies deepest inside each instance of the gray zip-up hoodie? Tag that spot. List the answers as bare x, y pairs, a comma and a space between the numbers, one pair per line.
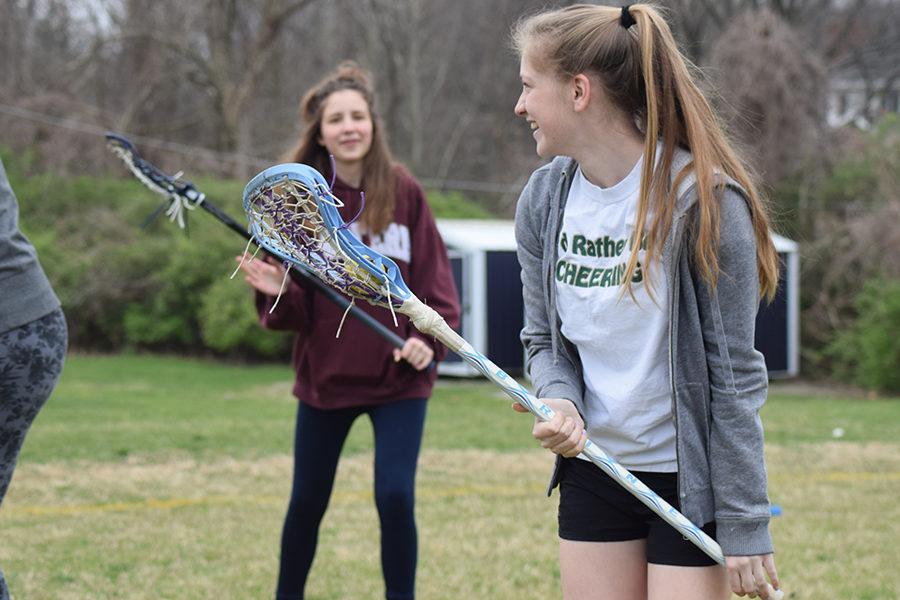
719, 380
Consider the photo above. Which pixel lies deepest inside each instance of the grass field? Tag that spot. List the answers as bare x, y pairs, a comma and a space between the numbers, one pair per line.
148, 477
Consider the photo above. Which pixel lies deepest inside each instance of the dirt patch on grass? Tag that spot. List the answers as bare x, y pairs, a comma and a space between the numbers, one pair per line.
818, 389
833, 458
135, 484
177, 527
281, 390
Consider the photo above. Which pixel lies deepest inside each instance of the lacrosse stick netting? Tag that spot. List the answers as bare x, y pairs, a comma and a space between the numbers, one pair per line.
293, 214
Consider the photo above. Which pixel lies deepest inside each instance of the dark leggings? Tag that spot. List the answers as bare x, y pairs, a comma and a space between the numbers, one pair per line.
319, 437
31, 359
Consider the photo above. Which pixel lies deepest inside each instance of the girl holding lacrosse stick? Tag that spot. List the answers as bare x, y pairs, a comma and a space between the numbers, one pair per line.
33, 338
645, 249
340, 378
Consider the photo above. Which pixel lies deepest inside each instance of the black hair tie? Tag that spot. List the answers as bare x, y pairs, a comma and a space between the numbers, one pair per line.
626, 19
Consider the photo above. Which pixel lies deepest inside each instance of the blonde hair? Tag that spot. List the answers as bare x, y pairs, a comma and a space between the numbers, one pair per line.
379, 180
645, 75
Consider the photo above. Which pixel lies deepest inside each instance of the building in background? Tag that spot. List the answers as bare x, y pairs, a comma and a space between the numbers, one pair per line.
863, 86
486, 270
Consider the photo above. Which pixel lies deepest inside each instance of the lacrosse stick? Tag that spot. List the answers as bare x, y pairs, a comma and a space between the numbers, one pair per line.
182, 195
294, 216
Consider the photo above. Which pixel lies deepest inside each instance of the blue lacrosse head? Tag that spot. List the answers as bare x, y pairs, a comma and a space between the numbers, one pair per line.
380, 267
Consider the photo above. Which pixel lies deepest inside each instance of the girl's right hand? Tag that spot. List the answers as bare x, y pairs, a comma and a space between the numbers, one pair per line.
266, 275
563, 434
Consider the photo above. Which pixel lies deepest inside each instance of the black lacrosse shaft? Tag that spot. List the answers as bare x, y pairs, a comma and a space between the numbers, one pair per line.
302, 277
165, 182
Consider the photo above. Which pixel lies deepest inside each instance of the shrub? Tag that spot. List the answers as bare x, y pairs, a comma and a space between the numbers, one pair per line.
868, 354
157, 288
848, 236
168, 318
229, 324
453, 205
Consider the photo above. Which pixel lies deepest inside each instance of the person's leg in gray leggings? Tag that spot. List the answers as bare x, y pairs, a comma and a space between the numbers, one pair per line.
31, 359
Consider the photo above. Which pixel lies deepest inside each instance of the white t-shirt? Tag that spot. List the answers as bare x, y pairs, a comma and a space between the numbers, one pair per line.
622, 343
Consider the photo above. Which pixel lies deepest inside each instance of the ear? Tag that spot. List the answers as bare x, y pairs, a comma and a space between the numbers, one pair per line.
581, 92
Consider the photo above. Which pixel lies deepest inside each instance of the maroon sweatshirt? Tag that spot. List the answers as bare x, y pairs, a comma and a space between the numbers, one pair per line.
358, 368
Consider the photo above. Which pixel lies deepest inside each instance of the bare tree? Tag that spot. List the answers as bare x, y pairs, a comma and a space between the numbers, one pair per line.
866, 53
448, 80
227, 75
771, 92
224, 51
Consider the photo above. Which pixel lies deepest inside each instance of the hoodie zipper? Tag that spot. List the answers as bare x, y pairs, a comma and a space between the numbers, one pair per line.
553, 240
673, 298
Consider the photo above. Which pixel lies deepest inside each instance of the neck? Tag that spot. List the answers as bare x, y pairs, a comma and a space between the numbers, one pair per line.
609, 154
350, 173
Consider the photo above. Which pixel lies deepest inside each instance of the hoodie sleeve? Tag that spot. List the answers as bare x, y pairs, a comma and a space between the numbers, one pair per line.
553, 374
738, 386
293, 311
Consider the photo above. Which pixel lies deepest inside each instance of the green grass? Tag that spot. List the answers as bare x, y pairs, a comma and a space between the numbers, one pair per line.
109, 407
106, 408
158, 477
793, 419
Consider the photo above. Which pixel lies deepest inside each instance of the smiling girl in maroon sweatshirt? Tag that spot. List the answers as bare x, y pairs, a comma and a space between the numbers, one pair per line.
357, 372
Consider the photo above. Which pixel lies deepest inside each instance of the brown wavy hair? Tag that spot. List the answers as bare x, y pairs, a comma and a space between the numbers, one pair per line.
379, 181
645, 75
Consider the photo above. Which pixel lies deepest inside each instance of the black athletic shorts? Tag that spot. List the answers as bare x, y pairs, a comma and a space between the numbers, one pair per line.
594, 508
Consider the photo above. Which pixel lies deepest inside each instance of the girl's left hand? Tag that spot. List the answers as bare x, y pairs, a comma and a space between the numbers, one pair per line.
415, 352
747, 575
